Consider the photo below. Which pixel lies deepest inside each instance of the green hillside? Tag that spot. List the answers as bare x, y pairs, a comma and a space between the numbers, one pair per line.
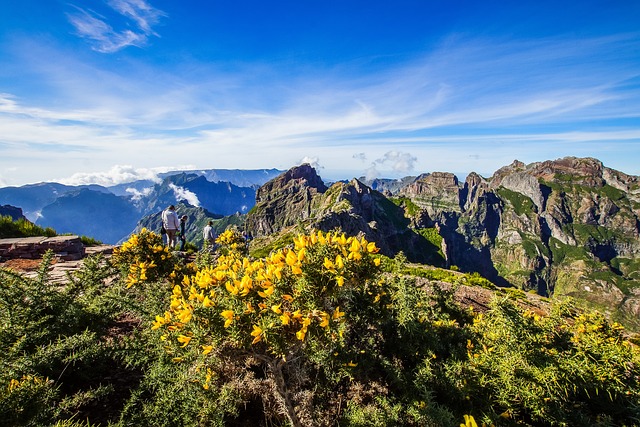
320, 331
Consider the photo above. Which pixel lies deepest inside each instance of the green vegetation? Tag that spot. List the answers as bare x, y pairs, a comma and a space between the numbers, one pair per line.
522, 205
324, 332
411, 209
22, 228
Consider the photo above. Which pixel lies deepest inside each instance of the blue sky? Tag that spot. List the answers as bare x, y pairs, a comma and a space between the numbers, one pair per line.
105, 91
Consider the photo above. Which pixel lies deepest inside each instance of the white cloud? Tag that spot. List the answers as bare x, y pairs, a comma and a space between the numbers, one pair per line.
313, 161
360, 156
137, 195
184, 194
118, 174
141, 16
399, 161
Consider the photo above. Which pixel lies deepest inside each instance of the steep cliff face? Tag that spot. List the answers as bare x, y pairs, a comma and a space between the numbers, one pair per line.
285, 200
568, 227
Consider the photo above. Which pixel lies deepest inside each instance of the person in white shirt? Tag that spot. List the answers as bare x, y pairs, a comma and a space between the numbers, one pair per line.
171, 223
209, 234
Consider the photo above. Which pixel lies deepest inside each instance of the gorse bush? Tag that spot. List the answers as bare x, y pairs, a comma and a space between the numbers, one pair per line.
144, 258
321, 332
287, 306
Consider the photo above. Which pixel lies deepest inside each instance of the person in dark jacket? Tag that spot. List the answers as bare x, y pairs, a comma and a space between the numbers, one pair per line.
183, 236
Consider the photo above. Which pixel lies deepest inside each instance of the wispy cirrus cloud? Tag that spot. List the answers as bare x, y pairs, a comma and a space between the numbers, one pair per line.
140, 18
448, 108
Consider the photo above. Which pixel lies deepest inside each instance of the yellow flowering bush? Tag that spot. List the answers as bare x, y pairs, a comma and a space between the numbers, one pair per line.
143, 258
232, 240
277, 300
292, 302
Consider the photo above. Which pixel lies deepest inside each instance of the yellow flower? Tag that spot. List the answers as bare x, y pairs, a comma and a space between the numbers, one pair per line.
267, 292
276, 308
355, 256
469, 421
376, 262
371, 248
328, 264
177, 291
206, 349
249, 309
228, 316
301, 333
325, 320
287, 297
184, 340
184, 315
337, 314
339, 262
340, 280
355, 246
233, 290
285, 318
291, 259
257, 334
207, 302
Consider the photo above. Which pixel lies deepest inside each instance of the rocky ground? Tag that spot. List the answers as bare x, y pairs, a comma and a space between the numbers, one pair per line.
59, 267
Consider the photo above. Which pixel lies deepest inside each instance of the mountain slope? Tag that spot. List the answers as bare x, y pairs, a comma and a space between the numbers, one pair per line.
103, 216
568, 227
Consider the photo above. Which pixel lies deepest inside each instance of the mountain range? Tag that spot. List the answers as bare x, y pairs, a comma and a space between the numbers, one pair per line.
565, 227
111, 214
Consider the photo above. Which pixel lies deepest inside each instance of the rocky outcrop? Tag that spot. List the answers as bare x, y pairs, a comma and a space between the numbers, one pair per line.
64, 247
559, 226
298, 199
285, 200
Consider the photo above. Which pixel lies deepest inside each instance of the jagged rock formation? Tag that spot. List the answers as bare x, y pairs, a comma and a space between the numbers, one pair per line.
299, 200
564, 227
568, 227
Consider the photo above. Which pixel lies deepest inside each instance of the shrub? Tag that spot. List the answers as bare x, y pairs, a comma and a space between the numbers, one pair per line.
22, 228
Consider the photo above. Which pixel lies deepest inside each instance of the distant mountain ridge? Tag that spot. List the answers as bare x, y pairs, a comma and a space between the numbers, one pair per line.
112, 213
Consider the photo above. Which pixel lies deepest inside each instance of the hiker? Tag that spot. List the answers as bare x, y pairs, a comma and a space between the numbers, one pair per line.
171, 224
183, 236
209, 235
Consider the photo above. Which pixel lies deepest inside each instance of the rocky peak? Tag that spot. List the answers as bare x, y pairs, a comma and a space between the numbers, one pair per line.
585, 171
285, 200
436, 192
433, 184
294, 180
475, 187
514, 167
